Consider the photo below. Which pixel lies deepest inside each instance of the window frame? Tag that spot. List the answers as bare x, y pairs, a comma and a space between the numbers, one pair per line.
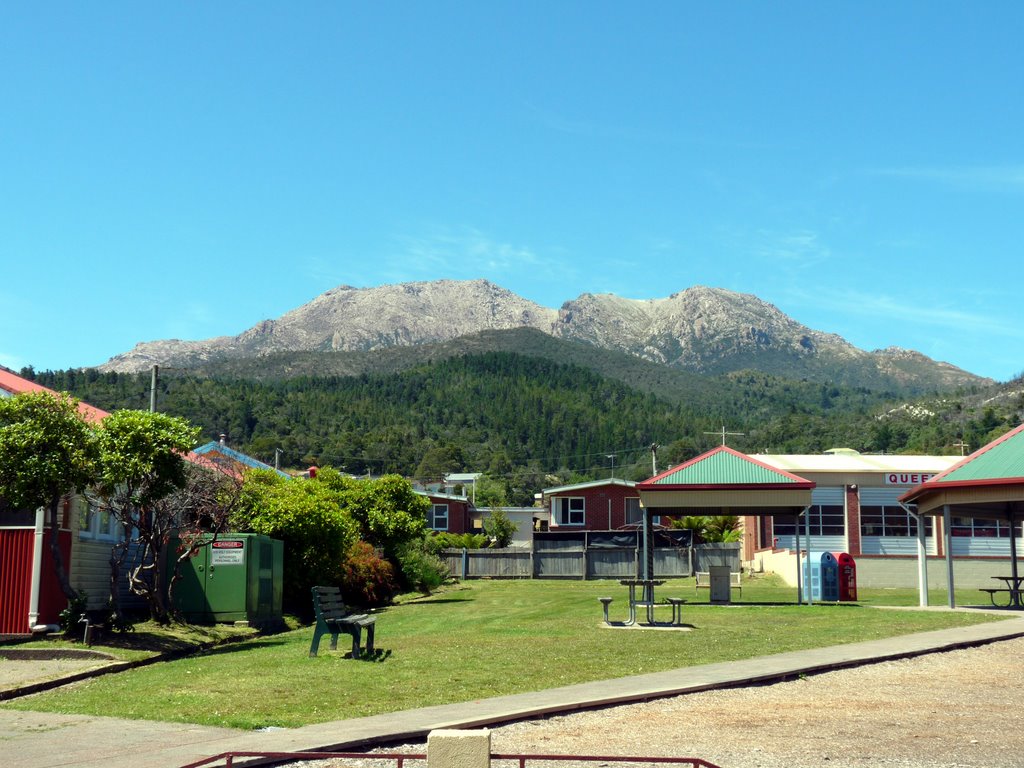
98, 524
435, 515
565, 510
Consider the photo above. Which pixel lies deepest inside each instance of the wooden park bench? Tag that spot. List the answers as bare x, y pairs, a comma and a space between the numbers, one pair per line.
333, 617
703, 581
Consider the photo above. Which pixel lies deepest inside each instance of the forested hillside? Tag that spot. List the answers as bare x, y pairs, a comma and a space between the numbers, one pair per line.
522, 418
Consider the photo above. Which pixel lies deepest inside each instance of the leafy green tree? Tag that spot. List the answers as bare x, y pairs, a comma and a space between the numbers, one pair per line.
141, 464
438, 461
309, 517
711, 529
490, 493
387, 510
47, 451
499, 528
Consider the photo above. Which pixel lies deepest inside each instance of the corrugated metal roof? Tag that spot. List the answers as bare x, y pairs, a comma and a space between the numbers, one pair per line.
1002, 459
590, 484
14, 384
219, 453
858, 462
725, 466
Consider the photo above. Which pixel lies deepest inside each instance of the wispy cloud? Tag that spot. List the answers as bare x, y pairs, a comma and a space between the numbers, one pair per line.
800, 248
442, 252
991, 176
885, 307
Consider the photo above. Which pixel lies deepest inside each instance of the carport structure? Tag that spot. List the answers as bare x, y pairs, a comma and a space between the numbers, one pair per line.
988, 484
724, 481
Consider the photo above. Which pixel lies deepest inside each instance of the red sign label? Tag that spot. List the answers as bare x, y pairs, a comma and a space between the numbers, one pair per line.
228, 544
908, 478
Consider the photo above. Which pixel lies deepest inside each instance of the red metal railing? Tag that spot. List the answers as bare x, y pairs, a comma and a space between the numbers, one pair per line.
400, 758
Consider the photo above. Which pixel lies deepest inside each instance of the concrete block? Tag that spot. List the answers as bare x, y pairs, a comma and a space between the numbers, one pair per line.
450, 748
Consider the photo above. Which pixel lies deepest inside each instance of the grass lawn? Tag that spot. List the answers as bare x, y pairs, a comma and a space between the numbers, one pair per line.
475, 640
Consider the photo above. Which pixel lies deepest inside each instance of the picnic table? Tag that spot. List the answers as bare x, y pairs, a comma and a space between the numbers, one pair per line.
646, 600
1012, 590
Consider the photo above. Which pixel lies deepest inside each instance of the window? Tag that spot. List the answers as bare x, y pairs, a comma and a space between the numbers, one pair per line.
633, 515
825, 520
978, 527
98, 524
439, 517
569, 510
888, 520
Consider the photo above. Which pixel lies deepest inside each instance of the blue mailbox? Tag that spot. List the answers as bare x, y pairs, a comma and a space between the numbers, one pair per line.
821, 577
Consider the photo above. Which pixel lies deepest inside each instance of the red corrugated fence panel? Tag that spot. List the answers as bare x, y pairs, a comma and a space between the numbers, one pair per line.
15, 579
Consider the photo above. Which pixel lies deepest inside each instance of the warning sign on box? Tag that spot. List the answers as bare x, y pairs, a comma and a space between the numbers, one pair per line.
227, 552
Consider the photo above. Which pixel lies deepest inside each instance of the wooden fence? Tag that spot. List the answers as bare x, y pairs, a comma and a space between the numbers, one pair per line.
581, 556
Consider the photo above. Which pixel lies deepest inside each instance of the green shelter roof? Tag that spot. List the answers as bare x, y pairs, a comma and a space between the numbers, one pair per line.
1000, 463
1002, 459
725, 468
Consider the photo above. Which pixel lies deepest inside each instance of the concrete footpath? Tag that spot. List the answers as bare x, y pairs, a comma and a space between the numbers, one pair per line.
38, 740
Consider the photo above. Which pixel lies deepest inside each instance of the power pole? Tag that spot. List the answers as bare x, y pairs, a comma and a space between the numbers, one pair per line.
654, 459
152, 389
723, 433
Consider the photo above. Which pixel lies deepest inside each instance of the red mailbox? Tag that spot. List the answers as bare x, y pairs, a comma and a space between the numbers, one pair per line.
847, 577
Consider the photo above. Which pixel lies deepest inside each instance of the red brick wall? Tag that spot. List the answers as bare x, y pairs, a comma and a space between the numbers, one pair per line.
604, 507
853, 521
458, 514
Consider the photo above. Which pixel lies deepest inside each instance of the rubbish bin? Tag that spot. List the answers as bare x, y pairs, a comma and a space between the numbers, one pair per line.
847, 577
720, 577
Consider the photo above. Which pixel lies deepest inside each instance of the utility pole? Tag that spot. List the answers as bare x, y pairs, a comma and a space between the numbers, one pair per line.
723, 433
277, 458
612, 457
654, 459
152, 389
961, 445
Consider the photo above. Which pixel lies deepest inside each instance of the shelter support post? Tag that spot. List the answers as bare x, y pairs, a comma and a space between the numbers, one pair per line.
947, 536
922, 556
807, 539
1013, 553
799, 568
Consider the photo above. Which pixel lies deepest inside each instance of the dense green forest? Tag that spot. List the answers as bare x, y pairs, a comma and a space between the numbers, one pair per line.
529, 421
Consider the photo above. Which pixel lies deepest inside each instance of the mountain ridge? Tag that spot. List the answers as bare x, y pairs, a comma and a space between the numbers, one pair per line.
701, 329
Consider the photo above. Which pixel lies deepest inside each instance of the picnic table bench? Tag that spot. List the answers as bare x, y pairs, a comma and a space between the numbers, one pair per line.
703, 581
332, 616
1012, 590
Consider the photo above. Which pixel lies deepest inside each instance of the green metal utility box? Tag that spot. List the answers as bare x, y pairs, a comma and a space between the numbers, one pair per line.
235, 577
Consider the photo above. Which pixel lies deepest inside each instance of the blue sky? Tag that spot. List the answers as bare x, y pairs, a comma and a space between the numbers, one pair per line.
186, 170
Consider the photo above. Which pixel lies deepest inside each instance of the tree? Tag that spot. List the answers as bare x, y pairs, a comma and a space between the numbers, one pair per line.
307, 516
47, 451
142, 463
386, 509
203, 509
499, 528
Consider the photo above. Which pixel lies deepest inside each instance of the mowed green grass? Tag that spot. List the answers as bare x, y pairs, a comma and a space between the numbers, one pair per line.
475, 640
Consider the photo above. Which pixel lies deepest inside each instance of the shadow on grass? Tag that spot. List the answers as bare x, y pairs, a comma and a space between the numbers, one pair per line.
428, 601
376, 656
242, 645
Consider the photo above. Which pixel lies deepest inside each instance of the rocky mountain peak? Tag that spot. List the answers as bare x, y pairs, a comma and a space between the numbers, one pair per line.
703, 329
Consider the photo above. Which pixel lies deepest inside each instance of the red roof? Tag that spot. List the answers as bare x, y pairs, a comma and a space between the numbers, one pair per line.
16, 385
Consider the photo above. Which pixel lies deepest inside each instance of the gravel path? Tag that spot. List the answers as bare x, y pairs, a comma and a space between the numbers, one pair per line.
953, 709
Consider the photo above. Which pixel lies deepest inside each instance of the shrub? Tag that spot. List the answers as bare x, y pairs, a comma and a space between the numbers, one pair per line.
367, 578
445, 540
499, 528
422, 570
